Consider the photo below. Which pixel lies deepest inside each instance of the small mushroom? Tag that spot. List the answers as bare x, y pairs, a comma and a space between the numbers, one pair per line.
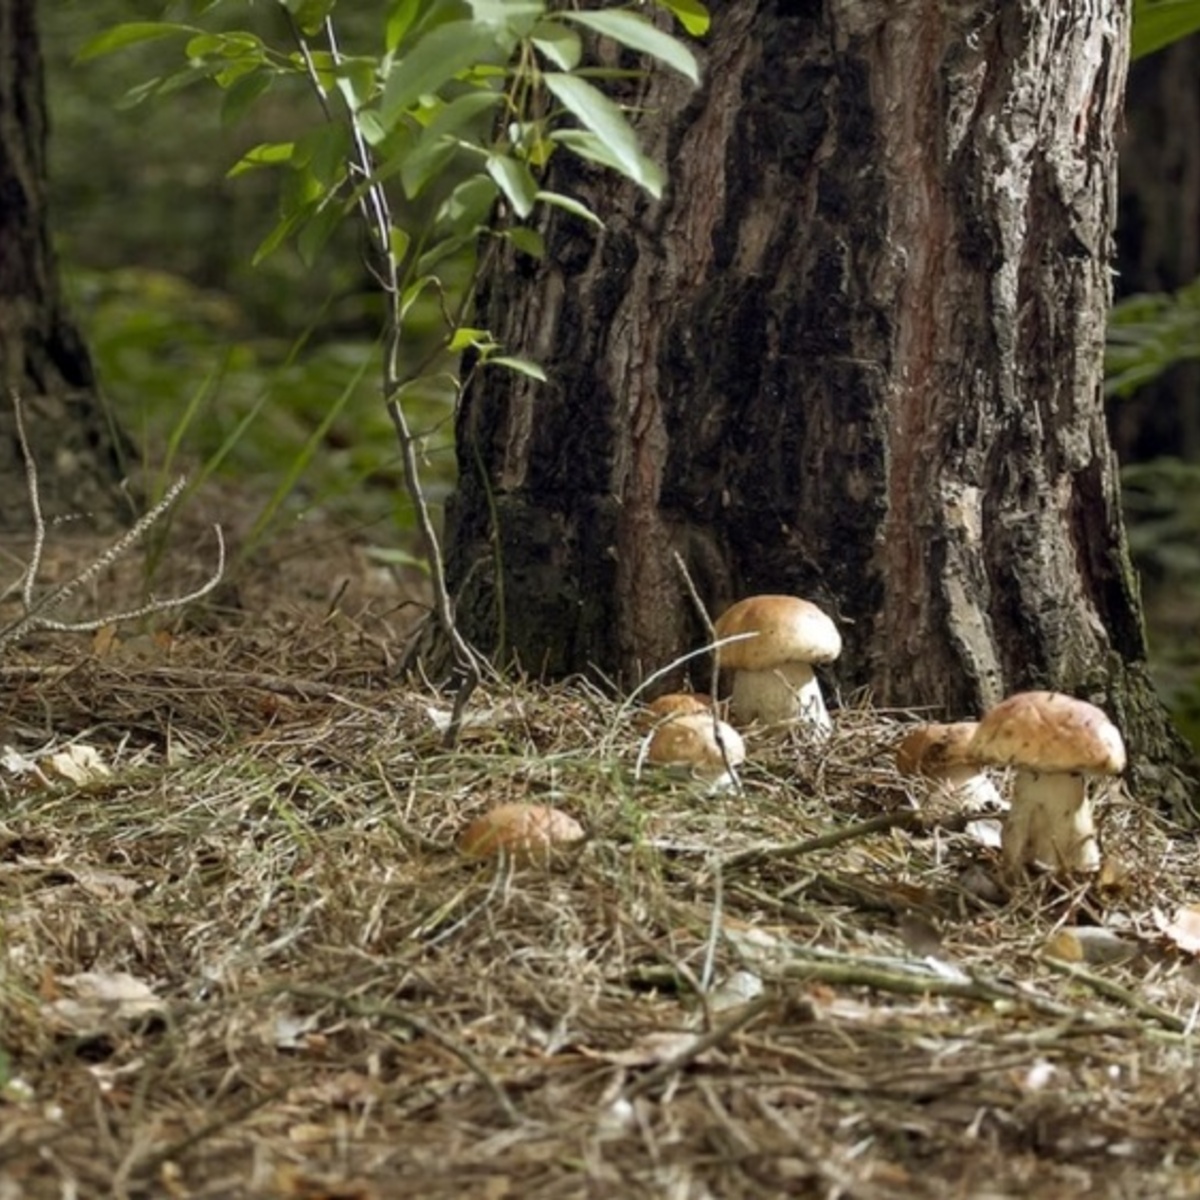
773, 666
674, 704
1055, 742
525, 833
939, 754
710, 749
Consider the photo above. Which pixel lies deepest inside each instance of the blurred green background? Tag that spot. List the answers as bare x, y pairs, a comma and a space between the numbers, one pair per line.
253, 372
250, 371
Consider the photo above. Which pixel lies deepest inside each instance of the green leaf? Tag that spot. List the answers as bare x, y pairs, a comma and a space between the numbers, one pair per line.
450, 247
276, 237
527, 240
638, 34
398, 243
241, 95
129, 34
1159, 23
691, 14
399, 21
310, 14
356, 80
469, 205
318, 230
511, 18
522, 366
615, 142
413, 293
569, 204
558, 45
265, 154
516, 182
324, 149
437, 142
1149, 334
433, 62
466, 336
228, 45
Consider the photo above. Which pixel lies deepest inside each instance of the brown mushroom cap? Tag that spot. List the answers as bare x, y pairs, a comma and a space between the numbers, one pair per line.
934, 748
525, 832
689, 740
675, 704
788, 629
1047, 731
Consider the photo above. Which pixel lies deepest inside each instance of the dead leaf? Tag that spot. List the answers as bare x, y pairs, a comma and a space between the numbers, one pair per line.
659, 1046
79, 763
104, 885
104, 641
95, 1001
740, 988
290, 1032
21, 765
987, 831
1183, 930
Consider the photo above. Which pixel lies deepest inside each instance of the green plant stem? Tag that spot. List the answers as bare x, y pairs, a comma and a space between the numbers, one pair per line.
376, 214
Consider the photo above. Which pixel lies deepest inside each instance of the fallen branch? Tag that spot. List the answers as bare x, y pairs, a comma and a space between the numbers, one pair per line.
1123, 996
701, 1044
913, 821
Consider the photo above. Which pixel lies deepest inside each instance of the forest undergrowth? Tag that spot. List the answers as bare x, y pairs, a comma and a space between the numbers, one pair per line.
241, 954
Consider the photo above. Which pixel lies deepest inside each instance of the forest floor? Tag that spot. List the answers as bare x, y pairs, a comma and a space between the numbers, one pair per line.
240, 954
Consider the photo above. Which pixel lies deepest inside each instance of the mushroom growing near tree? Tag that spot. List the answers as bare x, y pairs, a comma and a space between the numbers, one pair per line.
710, 749
525, 833
939, 753
772, 665
1055, 742
675, 704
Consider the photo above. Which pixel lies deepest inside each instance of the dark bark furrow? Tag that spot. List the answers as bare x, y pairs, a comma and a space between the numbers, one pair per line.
856, 356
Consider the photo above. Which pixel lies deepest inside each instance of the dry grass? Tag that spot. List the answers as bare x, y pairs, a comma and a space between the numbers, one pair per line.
338, 1006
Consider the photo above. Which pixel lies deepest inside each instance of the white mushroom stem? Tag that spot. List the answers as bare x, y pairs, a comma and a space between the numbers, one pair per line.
971, 787
1050, 823
785, 693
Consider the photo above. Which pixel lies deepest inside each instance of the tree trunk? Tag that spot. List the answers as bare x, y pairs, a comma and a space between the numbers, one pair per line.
1158, 238
856, 355
42, 357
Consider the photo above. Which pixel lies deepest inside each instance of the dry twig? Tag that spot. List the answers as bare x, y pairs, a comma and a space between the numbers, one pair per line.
37, 609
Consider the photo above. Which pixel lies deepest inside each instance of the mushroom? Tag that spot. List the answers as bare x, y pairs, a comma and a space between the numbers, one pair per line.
773, 675
1054, 742
939, 754
524, 832
709, 748
674, 704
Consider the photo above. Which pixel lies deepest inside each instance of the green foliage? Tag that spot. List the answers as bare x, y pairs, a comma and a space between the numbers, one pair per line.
1159, 23
1148, 334
1162, 501
426, 103
183, 372
454, 108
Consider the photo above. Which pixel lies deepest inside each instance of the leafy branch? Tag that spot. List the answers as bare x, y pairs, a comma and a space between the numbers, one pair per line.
462, 109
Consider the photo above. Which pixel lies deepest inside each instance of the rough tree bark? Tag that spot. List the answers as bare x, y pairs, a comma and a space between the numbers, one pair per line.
855, 355
41, 353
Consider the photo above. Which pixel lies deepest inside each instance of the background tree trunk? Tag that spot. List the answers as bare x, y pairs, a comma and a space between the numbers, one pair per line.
856, 355
1158, 238
41, 354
